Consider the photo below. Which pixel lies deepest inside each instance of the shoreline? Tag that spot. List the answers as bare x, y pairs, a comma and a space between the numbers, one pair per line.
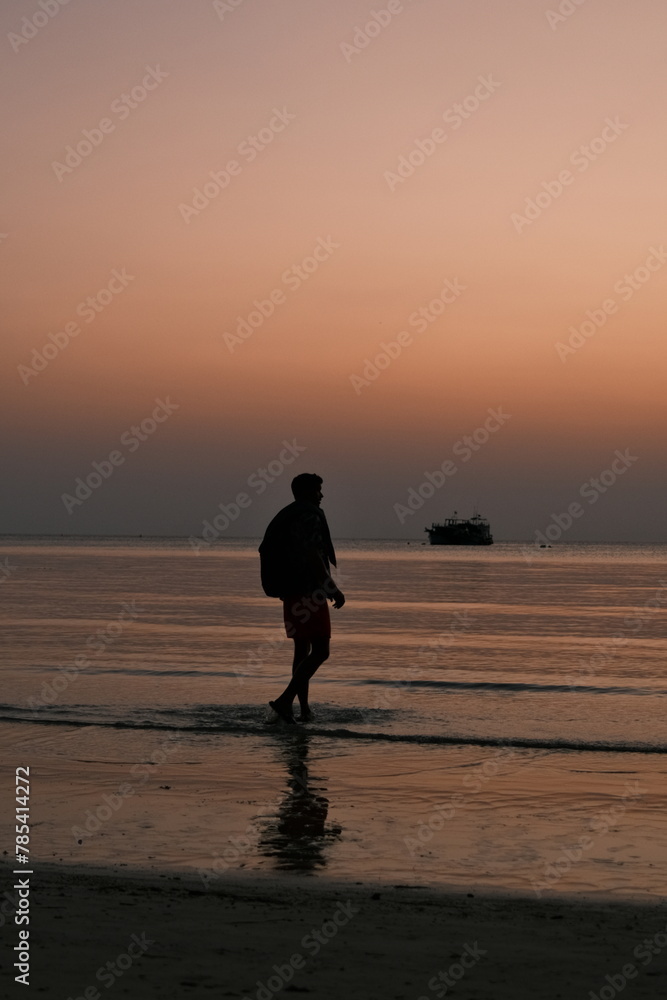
241, 882
247, 934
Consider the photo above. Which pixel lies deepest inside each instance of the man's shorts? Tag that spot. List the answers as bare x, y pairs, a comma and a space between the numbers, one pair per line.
306, 617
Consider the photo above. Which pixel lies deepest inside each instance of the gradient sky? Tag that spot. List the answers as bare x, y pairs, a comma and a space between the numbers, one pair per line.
325, 177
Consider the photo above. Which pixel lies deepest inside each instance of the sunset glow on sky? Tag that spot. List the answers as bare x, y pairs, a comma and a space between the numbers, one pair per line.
356, 227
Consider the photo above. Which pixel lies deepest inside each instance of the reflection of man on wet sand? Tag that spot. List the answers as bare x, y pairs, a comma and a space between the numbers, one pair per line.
298, 835
296, 554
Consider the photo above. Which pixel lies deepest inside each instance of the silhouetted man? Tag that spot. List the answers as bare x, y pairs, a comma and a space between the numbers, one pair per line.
295, 555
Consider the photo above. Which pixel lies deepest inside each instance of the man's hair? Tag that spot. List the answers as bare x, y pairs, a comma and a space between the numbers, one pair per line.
305, 483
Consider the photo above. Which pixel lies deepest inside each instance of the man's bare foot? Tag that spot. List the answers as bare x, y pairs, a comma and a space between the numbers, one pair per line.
306, 714
284, 714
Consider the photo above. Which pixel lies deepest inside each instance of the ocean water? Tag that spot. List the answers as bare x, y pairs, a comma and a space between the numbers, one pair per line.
488, 717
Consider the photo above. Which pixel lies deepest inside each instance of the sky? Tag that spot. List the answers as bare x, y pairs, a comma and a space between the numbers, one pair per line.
243, 240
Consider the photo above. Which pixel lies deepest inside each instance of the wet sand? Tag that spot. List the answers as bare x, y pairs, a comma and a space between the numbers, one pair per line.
459, 818
254, 936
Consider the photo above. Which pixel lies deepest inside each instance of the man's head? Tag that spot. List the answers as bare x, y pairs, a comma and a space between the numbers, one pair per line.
308, 487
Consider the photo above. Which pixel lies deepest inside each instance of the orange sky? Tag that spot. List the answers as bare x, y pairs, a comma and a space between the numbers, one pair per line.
339, 120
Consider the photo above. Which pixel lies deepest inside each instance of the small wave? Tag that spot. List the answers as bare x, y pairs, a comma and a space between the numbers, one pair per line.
508, 686
161, 672
332, 723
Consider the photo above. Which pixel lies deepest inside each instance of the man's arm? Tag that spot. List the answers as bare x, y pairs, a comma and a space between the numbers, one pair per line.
310, 537
326, 581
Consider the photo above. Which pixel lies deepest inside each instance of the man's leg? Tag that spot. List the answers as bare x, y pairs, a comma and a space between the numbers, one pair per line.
304, 671
301, 652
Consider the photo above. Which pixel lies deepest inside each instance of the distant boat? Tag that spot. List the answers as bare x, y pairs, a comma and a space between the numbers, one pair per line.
474, 530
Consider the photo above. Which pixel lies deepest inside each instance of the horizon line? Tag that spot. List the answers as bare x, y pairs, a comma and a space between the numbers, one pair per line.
347, 538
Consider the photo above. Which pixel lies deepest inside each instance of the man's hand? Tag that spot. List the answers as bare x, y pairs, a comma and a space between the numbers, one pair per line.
338, 599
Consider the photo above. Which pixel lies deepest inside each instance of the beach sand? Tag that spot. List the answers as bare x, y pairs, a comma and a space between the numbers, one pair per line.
378, 941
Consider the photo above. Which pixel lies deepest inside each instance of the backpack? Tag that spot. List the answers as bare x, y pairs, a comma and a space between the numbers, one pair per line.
272, 559
281, 559
275, 557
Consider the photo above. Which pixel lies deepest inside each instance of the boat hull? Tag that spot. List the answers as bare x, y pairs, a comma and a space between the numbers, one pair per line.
436, 539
